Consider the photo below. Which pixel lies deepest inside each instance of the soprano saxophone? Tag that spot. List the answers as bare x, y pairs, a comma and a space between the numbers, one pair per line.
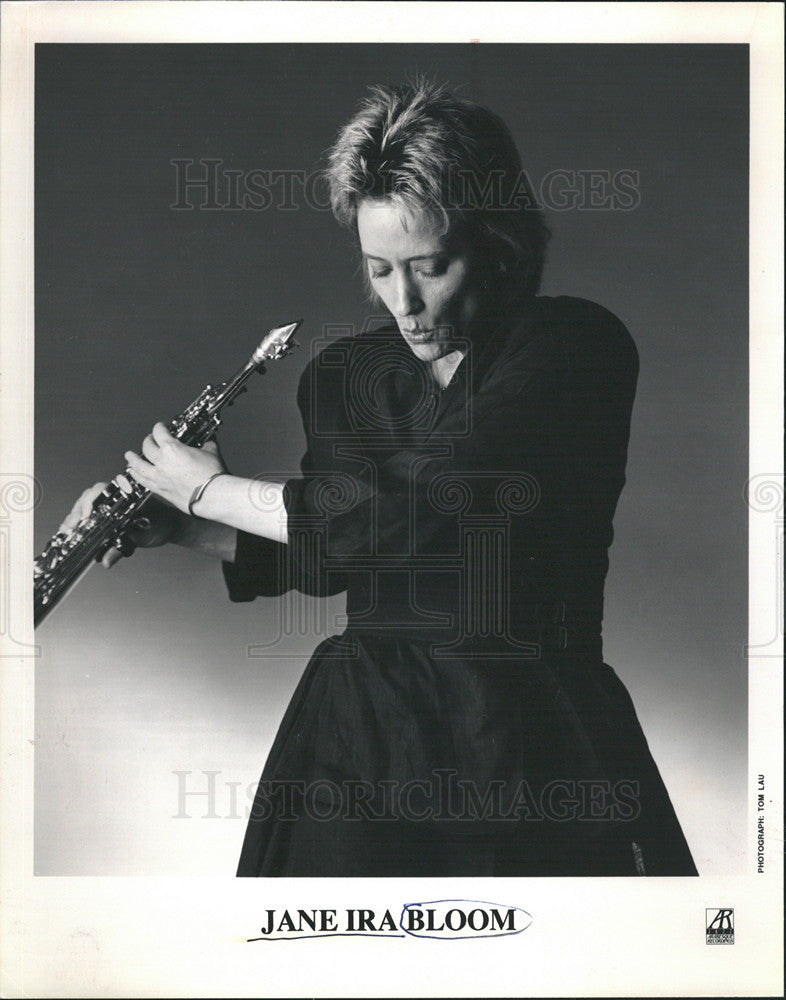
68, 555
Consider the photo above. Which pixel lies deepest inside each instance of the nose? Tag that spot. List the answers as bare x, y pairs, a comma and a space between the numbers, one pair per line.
406, 296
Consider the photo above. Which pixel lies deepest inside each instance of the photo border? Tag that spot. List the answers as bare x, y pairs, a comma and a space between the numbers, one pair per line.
188, 936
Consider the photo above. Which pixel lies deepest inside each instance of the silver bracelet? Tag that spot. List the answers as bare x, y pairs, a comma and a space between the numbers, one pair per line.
198, 493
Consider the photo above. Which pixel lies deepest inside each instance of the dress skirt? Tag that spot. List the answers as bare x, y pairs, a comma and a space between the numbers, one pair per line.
393, 760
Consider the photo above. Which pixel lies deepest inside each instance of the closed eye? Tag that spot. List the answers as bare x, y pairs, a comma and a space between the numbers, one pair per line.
432, 269
433, 272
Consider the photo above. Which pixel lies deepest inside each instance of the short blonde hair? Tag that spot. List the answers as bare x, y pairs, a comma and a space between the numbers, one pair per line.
423, 148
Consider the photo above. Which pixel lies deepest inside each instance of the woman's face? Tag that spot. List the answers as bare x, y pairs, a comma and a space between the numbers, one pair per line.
429, 282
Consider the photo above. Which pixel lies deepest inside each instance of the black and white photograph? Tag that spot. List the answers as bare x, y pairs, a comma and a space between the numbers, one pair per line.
397, 503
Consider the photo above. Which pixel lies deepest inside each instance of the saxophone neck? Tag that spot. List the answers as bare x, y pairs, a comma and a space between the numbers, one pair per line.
277, 343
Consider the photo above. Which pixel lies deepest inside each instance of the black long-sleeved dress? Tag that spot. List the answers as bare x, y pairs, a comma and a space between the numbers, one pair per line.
465, 722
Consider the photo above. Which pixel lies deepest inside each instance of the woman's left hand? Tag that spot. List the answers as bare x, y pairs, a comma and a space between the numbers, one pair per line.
173, 470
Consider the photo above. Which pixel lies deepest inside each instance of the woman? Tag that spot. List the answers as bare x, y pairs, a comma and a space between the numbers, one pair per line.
462, 469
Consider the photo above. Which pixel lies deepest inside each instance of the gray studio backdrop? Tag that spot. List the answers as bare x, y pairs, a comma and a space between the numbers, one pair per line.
156, 699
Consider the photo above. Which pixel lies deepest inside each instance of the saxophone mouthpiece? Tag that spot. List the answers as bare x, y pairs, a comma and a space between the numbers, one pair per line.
276, 343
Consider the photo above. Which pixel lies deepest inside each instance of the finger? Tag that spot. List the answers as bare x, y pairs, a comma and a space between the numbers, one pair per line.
94, 491
69, 523
111, 556
150, 448
86, 506
133, 459
73, 518
161, 434
82, 508
139, 468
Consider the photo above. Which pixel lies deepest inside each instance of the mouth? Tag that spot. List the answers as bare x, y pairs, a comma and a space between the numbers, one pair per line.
417, 334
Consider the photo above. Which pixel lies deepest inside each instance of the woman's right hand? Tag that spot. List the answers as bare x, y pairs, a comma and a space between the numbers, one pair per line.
158, 523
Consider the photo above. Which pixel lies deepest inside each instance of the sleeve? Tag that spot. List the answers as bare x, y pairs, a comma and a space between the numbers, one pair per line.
266, 568
259, 569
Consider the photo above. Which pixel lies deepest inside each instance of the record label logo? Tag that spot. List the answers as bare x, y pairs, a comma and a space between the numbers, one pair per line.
720, 925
